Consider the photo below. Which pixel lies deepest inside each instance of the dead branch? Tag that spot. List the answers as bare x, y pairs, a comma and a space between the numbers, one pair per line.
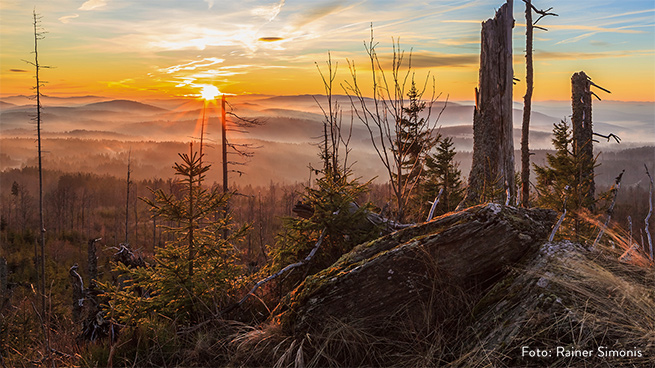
615, 190
382, 115
611, 135
650, 212
542, 13
561, 219
434, 205
599, 87
281, 272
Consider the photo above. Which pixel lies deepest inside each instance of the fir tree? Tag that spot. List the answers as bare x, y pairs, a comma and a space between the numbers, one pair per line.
411, 146
331, 216
336, 215
193, 273
442, 172
561, 184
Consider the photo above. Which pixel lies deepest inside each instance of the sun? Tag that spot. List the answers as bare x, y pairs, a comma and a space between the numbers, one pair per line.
209, 92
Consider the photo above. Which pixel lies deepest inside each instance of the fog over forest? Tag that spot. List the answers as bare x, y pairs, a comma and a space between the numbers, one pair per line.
95, 134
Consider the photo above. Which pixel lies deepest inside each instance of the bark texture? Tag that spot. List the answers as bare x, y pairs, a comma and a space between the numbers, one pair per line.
383, 278
527, 108
492, 172
583, 130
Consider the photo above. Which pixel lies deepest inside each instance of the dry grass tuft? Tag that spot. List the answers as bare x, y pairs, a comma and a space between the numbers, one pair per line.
573, 298
564, 296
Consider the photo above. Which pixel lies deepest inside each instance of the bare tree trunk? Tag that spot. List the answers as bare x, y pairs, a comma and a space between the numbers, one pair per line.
224, 154
93, 262
492, 172
650, 212
45, 319
77, 286
527, 107
582, 134
127, 197
191, 215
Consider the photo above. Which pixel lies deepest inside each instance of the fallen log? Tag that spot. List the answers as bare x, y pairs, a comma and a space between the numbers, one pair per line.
377, 280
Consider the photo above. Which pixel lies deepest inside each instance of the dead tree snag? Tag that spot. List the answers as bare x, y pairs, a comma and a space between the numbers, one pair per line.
583, 132
492, 172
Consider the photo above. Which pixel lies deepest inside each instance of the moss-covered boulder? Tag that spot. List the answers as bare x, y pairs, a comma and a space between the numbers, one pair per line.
477, 288
385, 277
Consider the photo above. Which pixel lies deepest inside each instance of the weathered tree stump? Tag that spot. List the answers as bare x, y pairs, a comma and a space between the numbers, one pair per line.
492, 171
380, 279
93, 262
583, 132
79, 293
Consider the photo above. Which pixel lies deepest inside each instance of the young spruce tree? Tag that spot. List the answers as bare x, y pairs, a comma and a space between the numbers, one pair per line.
332, 216
193, 274
561, 184
411, 146
442, 172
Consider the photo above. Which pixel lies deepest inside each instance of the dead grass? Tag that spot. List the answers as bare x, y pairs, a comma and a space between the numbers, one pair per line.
566, 296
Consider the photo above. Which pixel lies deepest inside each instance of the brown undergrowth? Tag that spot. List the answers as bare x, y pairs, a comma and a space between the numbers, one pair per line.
565, 298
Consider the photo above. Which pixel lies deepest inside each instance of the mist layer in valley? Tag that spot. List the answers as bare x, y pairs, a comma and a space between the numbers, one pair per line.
95, 134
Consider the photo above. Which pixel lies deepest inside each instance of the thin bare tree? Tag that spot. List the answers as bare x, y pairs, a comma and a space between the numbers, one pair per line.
527, 99
334, 135
39, 34
127, 196
383, 115
243, 150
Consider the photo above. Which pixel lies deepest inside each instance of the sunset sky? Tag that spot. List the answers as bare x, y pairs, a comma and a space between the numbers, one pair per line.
166, 48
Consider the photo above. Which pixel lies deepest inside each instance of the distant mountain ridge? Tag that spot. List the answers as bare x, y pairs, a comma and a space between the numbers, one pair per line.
122, 105
290, 117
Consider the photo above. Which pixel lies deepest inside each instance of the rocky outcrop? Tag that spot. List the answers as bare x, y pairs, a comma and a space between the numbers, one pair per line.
567, 306
476, 288
385, 277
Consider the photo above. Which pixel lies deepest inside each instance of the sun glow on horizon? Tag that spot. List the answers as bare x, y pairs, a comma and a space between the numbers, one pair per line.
209, 92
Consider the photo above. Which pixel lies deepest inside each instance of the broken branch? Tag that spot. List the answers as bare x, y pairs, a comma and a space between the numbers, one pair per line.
610, 210
284, 270
599, 87
650, 211
611, 135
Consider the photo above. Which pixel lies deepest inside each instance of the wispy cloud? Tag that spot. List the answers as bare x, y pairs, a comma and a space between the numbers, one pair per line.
193, 65
469, 21
594, 30
196, 73
315, 13
577, 27
18, 70
466, 40
67, 18
210, 3
270, 39
125, 83
555, 55
268, 12
628, 13
433, 60
93, 4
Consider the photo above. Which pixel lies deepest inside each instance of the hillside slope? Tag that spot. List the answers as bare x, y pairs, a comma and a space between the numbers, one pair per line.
476, 288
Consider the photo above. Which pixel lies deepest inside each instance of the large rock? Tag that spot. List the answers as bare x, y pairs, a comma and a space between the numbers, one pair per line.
567, 306
477, 288
388, 276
